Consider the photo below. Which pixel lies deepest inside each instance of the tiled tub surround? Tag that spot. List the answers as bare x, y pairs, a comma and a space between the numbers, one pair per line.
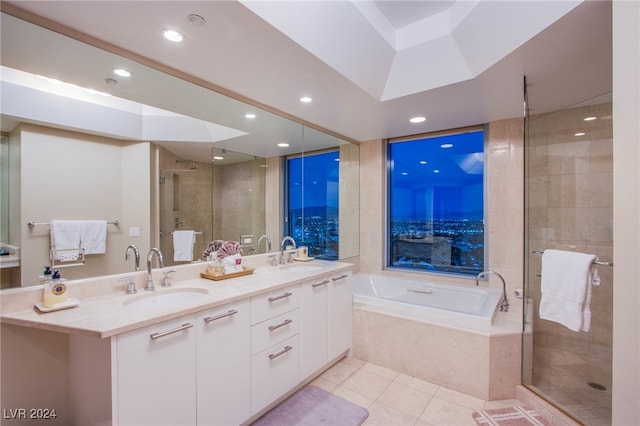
467, 356
58, 351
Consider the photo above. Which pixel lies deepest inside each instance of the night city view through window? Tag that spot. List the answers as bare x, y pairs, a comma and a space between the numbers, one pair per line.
436, 203
313, 213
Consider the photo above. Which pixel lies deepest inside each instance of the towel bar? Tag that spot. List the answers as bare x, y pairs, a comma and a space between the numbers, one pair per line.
597, 262
33, 224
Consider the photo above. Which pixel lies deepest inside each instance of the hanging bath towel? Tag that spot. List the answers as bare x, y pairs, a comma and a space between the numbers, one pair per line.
183, 242
566, 283
65, 239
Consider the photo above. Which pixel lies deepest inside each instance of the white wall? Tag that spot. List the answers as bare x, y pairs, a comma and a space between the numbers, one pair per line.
67, 175
626, 212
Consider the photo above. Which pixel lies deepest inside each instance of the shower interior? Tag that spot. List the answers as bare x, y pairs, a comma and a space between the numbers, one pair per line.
568, 199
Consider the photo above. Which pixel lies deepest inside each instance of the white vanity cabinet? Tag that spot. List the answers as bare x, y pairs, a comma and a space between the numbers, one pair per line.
155, 374
275, 349
224, 364
325, 320
340, 314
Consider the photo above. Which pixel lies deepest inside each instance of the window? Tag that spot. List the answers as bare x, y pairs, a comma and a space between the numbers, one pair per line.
312, 203
436, 202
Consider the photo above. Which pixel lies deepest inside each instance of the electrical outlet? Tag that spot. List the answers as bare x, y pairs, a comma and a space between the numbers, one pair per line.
134, 231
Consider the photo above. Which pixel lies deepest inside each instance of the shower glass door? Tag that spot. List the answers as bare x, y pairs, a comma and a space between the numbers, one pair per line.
568, 196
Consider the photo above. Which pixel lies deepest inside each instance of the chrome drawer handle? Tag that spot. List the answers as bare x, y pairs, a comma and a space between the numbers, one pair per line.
282, 324
339, 278
273, 299
319, 284
173, 330
217, 317
284, 351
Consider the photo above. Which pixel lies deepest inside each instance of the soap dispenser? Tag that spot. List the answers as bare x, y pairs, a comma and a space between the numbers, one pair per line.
46, 275
55, 290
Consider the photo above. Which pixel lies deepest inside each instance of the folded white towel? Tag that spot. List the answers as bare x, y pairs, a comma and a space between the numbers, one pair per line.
93, 236
65, 239
183, 242
232, 263
566, 283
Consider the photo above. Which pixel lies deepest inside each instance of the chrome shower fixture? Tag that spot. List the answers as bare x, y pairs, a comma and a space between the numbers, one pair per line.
193, 166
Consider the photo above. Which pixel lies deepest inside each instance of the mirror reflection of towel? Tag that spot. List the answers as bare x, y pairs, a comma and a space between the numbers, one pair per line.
183, 242
65, 239
93, 236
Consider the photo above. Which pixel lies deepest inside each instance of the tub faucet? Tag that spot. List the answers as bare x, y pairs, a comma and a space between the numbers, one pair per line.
136, 255
268, 240
150, 286
283, 244
504, 305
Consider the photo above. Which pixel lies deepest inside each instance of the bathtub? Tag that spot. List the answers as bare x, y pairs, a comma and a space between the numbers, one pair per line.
453, 303
451, 335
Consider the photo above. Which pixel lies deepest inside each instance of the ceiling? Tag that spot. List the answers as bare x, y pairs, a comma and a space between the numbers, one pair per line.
370, 65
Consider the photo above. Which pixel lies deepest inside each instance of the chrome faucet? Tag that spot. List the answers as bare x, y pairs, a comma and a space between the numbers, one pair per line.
264, 237
283, 244
150, 286
136, 254
504, 305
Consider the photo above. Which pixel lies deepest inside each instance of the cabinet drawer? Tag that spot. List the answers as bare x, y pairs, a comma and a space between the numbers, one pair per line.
275, 371
274, 330
274, 303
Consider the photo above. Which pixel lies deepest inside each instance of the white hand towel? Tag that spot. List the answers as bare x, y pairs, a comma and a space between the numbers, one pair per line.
183, 242
93, 236
65, 239
232, 263
566, 283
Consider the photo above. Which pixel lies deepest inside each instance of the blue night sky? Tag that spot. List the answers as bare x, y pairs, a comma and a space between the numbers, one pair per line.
320, 180
432, 180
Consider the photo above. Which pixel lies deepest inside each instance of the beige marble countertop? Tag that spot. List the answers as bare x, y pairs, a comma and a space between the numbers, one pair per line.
102, 311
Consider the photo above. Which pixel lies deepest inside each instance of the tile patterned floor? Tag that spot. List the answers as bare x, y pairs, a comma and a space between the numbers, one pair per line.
397, 399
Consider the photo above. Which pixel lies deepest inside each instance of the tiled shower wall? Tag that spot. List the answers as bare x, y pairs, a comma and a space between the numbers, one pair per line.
570, 180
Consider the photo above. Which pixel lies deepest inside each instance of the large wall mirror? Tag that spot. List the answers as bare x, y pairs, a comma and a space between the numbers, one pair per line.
162, 153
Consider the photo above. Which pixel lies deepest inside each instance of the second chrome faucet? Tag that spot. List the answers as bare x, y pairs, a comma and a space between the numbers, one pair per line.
150, 286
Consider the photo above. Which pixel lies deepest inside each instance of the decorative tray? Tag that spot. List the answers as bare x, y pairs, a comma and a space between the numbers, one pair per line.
246, 271
72, 302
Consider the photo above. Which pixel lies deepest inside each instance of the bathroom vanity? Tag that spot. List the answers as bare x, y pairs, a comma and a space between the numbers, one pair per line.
200, 352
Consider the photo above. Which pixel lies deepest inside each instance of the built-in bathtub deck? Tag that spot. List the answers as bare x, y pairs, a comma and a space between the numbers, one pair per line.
468, 356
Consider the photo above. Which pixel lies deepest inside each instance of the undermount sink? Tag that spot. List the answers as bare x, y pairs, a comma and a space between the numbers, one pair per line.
301, 267
166, 298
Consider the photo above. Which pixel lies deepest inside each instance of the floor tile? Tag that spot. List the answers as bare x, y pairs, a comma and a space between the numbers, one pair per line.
405, 399
365, 383
443, 412
383, 415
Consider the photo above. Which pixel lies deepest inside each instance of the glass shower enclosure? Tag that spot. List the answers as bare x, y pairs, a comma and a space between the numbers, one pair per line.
569, 206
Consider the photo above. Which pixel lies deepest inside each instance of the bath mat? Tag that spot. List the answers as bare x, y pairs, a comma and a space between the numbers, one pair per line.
312, 406
511, 416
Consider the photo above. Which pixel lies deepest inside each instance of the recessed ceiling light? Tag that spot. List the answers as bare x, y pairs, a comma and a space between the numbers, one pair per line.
418, 119
436, 171
122, 72
111, 81
446, 145
579, 134
423, 162
404, 174
306, 99
173, 35
250, 115
283, 145
590, 118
